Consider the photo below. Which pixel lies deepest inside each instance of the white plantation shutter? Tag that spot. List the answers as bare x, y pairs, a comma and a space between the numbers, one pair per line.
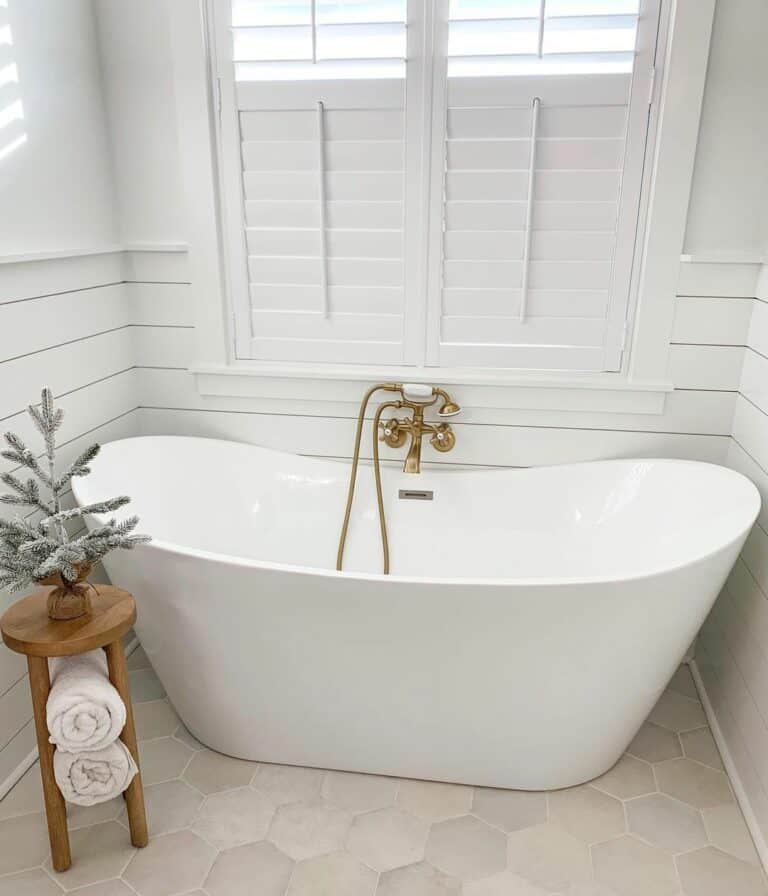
319, 123
540, 145
516, 206
13, 132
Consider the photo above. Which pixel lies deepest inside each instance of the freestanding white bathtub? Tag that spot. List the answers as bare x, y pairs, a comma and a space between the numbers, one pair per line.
532, 619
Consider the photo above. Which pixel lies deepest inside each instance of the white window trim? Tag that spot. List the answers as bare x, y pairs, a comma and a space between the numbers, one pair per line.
640, 387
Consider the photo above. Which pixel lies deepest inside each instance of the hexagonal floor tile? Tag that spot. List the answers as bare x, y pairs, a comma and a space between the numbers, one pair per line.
467, 848
24, 842
630, 777
138, 660
711, 872
420, 879
507, 883
171, 863
25, 797
433, 800
667, 823
339, 874
101, 852
85, 816
633, 868
682, 682
29, 883
655, 744
700, 745
189, 740
587, 813
677, 713
548, 856
693, 783
509, 810
213, 772
156, 719
114, 887
307, 829
234, 817
387, 838
359, 793
170, 806
728, 831
247, 870
163, 759
145, 686
288, 783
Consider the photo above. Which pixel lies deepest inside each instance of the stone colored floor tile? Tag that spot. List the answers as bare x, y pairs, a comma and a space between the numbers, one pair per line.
163, 759
550, 857
587, 813
170, 806
311, 828
433, 800
258, 869
86, 816
288, 783
114, 887
420, 879
337, 874
711, 872
25, 797
145, 686
655, 744
23, 842
171, 863
466, 848
666, 823
387, 838
138, 660
591, 888
509, 810
506, 883
682, 682
182, 734
677, 713
728, 831
700, 745
359, 793
211, 772
633, 868
693, 783
99, 853
29, 883
155, 719
630, 777
234, 817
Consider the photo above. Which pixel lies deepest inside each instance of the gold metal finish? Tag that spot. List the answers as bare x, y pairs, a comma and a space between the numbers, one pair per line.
394, 433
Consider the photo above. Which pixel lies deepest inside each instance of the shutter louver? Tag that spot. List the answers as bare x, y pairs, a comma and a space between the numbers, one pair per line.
320, 97
553, 296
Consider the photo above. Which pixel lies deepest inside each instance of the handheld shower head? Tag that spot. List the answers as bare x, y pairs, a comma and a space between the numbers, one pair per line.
449, 408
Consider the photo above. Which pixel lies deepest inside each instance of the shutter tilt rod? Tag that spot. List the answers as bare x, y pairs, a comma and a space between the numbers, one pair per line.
529, 210
313, 6
542, 16
322, 198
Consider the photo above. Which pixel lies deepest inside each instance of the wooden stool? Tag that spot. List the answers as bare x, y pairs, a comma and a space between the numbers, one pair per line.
27, 629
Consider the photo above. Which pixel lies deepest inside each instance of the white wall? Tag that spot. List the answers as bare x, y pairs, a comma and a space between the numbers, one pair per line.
64, 321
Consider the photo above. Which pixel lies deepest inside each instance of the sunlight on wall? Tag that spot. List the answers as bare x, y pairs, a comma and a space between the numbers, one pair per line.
12, 135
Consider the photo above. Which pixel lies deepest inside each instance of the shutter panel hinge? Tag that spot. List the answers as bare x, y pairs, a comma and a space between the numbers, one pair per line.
652, 85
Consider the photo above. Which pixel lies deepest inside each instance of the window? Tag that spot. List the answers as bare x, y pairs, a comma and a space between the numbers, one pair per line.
453, 185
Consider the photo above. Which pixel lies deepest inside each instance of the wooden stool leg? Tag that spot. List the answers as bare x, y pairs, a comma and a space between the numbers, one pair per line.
55, 809
134, 795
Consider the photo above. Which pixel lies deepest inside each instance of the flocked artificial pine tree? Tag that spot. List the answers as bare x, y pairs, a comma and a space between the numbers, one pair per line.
42, 552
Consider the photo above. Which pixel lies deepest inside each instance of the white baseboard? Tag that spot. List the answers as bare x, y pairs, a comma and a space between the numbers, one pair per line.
742, 797
31, 758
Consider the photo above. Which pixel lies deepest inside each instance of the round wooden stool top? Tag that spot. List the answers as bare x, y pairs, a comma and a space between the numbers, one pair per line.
27, 629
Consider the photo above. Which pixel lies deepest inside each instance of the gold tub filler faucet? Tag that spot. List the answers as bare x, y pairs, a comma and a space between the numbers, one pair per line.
416, 397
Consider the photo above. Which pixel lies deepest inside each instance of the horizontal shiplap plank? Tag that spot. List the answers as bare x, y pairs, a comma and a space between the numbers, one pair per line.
558, 122
758, 328
584, 186
717, 279
550, 215
754, 380
33, 326
706, 366
160, 304
499, 155
741, 460
308, 297
712, 321
540, 302
369, 155
163, 346
341, 271
156, 267
339, 124
542, 274
340, 185
383, 214
339, 243
17, 750
30, 279
560, 245
15, 711
750, 429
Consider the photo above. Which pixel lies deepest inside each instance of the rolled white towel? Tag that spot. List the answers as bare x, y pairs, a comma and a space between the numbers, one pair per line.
84, 710
94, 777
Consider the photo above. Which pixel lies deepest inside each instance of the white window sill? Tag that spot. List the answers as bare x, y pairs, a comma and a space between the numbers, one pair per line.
609, 393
